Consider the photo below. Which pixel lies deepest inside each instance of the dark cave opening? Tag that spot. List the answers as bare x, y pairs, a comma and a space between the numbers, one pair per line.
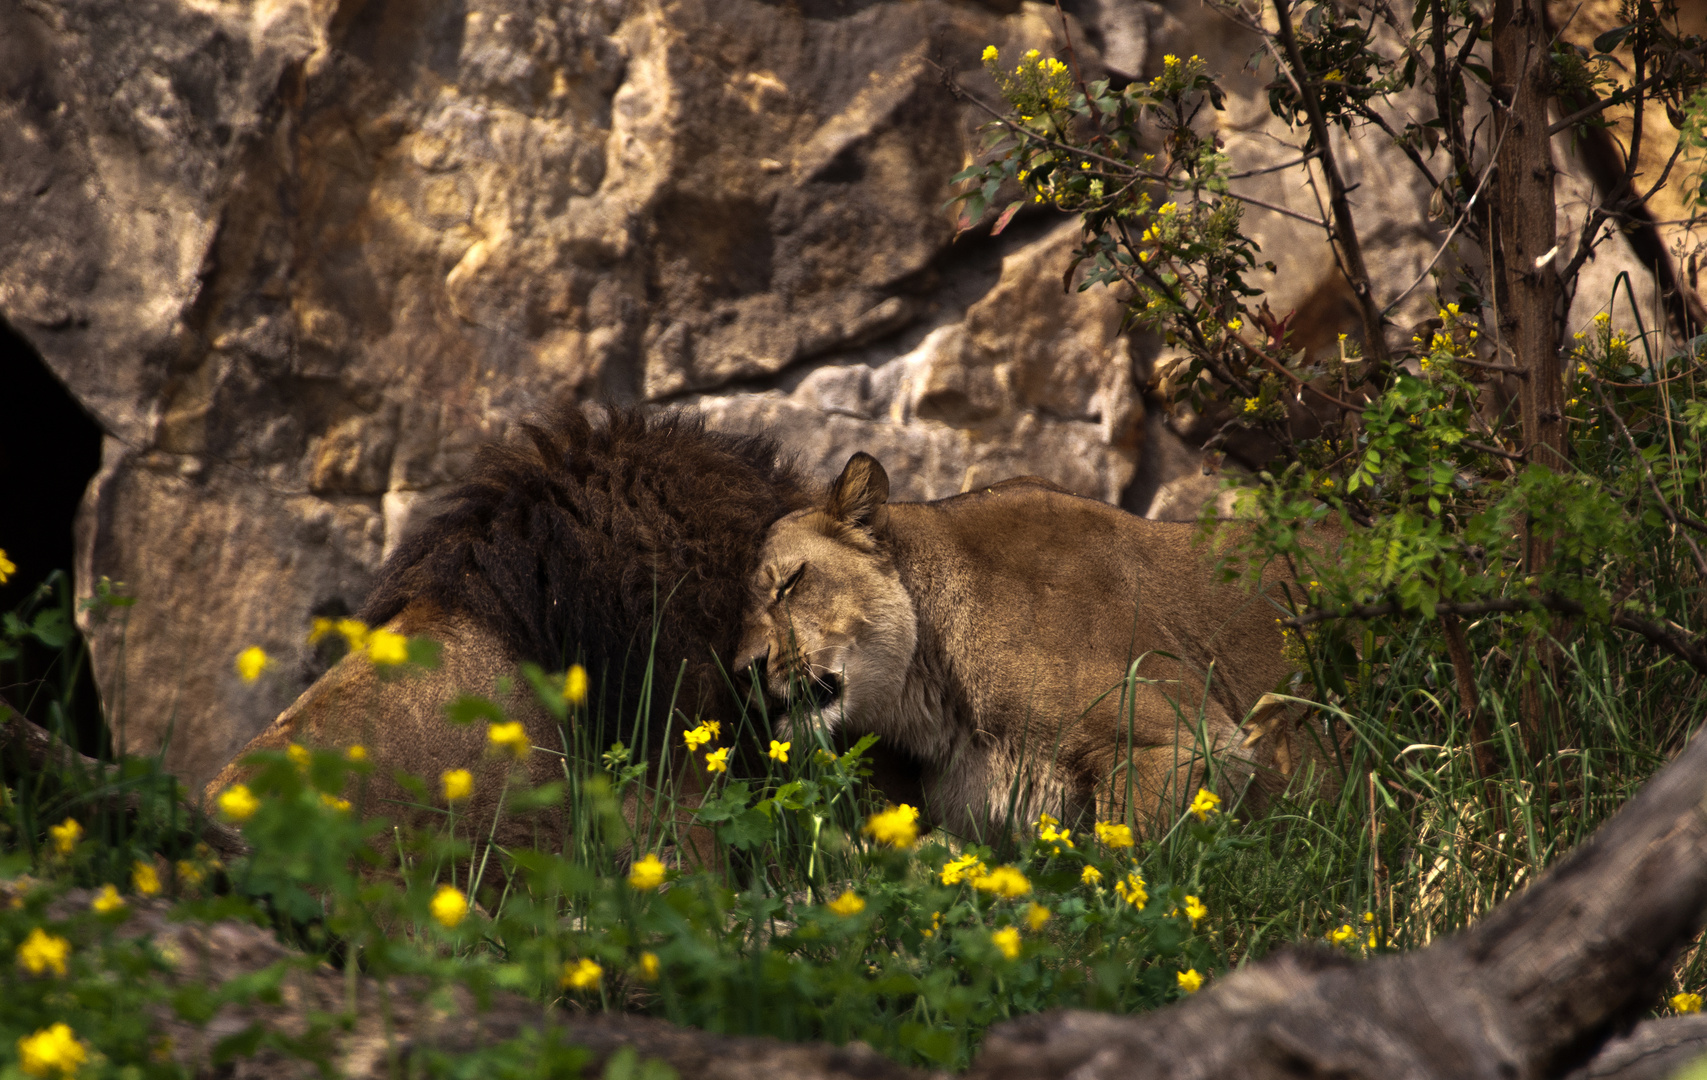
49, 450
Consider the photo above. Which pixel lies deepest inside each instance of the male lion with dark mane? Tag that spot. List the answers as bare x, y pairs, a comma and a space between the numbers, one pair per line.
993, 635
608, 540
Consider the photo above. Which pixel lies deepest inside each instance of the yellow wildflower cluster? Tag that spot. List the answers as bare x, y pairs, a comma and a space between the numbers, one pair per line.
1004, 881
696, 737
457, 784
1115, 837
965, 868
647, 873
251, 662
897, 826
584, 974
1131, 889
1685, 1003
509, 739
847, 905
42, 952
575, 685
145, 879
1049, 834
238, 803
53, 1051
383, 647
107, 901
1205, 804
1344, 934
65, 835
449, 906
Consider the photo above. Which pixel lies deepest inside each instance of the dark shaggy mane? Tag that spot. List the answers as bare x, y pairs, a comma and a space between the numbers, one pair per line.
567, 543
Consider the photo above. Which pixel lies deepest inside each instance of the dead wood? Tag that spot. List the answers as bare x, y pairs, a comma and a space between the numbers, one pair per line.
40, 749
1534, 990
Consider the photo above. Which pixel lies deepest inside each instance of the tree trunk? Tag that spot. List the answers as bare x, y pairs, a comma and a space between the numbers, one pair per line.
1525, 239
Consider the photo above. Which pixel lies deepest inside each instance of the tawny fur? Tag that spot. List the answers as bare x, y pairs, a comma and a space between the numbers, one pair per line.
991, 634
574, 544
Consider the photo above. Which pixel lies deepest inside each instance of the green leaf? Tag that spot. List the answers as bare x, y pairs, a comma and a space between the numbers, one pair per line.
470, 707
1611, 39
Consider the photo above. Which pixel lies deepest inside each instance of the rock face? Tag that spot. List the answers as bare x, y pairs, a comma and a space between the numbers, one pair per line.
301, 257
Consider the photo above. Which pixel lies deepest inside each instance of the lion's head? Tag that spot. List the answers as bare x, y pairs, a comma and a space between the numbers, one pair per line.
827, 615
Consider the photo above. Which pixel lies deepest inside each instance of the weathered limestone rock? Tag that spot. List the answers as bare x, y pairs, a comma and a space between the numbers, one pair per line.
301, 257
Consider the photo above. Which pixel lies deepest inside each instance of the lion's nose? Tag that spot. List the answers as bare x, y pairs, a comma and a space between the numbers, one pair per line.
755, 654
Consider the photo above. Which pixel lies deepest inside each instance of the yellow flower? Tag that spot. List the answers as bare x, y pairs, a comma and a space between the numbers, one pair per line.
1189, 981
1007, 940
1368, 916
649, 965
1035, 916
1344, 934
897, 826
189, 873
51, 1050
458, 784
7, 567
1235, 325
145, 879
1090, 875
1252, 404
238, 803
1170, 60
824, 757
1049, 834
1194, 910
332, 802
387, 647
696, 737
65, 835
1114, 836
936, 924
1004, 881
582, 974
1131, 890
299, 755
1032, 54
320, 628
354, 631
449, 906
107, 901
1207, 802
717, 761
509, 739
1602, 319
847, 904
779, 751
251, 662
990, 54
966, 867
1167, 208
575, 685
1686, 1003
356, 753
42, 950
714, 727
647, 873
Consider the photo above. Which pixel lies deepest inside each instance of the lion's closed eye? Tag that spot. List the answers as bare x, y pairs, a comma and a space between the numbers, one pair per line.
790, 581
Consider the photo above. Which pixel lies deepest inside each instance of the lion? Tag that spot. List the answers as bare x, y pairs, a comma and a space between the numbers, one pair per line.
619, 540
1035, 651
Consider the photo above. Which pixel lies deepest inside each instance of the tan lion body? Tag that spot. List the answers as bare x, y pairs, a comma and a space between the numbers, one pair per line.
991, 635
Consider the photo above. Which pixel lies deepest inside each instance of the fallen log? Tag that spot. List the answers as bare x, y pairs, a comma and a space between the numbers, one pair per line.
1536, 989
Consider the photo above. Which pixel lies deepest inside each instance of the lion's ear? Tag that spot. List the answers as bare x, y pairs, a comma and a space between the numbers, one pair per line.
858, 496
